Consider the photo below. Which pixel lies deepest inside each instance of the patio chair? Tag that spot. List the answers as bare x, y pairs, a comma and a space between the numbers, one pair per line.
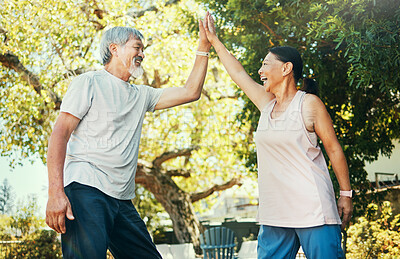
218, 243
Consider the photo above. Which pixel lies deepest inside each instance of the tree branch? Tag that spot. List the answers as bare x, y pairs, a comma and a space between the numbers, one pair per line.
157, 82
235, 96
173, 154
96, 11
143, 172
140, 13
206, 94
4, 32
179, 172
201, 195
270, 30
11, 61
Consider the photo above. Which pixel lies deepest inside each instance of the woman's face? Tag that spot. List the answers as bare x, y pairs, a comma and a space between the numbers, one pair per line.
271, 72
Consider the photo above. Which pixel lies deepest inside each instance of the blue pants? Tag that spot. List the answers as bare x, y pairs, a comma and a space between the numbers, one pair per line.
102, 222
317, 242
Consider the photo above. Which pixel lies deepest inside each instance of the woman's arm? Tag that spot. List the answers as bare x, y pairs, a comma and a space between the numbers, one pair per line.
252, 89
315, 113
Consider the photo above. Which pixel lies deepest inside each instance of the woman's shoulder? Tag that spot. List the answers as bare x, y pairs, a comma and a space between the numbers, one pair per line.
312, 101
312, 109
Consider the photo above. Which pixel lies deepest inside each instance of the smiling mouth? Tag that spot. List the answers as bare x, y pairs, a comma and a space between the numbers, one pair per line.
263, 79
138, 60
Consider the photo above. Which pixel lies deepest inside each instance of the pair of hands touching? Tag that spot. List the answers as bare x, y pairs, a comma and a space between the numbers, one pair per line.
208, 35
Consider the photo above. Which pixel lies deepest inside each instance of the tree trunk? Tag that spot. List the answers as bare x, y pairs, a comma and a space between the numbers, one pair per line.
175, 201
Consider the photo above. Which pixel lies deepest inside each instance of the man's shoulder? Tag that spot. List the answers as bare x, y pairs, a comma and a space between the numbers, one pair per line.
142, 88
88, 78
89, 75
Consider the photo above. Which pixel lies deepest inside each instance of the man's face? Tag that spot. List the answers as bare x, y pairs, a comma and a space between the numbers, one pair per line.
131, 55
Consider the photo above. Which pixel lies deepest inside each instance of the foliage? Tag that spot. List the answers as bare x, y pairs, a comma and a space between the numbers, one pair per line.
376, 234
350, 47
25, 219
23, 229
44, 45
40, 244
6, 197
4, 228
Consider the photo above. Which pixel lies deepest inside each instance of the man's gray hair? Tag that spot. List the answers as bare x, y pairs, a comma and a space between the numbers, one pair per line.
118, 35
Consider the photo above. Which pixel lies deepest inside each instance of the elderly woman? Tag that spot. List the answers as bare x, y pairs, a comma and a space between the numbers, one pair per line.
297, 204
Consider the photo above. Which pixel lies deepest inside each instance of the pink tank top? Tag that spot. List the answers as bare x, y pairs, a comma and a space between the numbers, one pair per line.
295, 189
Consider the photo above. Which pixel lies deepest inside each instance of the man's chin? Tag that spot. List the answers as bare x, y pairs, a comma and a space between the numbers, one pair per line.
137, 72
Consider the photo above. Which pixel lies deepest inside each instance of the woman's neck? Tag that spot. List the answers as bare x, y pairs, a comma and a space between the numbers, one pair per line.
285, 93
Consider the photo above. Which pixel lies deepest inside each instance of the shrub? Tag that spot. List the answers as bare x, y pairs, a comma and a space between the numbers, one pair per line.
376, 234
40, 244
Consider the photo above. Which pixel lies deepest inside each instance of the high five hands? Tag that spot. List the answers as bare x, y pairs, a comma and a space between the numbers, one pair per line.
209, 25
204, 42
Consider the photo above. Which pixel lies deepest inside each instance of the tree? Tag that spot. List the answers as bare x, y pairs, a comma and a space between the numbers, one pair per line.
187, 153
350, 47
6, 197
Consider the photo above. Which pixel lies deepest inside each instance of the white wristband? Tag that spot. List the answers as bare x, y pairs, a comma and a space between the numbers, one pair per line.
349, 194
202, 53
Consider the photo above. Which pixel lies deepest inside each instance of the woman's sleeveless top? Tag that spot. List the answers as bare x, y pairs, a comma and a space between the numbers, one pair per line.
295, 189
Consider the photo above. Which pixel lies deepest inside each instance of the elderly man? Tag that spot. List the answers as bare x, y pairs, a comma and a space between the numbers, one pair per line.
92, 181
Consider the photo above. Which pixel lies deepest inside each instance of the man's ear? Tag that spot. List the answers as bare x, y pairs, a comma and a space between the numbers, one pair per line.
113, 49
287, 68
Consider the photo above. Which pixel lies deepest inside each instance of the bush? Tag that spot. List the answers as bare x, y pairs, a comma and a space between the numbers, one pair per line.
40, 244
376, 234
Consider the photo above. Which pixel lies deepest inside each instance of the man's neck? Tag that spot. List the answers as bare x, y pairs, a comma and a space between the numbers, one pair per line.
117, 71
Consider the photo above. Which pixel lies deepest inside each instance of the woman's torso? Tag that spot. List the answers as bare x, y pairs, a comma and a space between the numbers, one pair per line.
295, 189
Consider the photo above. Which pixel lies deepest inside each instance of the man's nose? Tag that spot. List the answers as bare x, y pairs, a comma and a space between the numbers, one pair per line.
141, 54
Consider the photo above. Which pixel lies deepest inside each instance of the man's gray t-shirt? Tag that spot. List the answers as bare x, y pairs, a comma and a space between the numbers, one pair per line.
103, 149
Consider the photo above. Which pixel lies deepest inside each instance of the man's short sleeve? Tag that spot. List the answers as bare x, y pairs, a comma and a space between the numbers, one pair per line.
153, 96
78, 98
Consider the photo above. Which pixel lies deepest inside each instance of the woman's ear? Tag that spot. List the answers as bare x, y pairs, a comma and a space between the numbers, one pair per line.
287, 68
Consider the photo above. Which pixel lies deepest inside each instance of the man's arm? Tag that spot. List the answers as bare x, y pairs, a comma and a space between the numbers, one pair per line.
192, 90
58, 205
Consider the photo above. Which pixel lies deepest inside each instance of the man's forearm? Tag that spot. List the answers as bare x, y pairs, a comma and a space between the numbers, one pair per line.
195, 81
55, 162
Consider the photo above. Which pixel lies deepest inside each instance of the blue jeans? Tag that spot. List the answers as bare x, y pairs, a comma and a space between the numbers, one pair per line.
102, 222
317, 242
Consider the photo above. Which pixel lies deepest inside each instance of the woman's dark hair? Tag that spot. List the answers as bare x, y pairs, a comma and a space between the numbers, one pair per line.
290, 54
